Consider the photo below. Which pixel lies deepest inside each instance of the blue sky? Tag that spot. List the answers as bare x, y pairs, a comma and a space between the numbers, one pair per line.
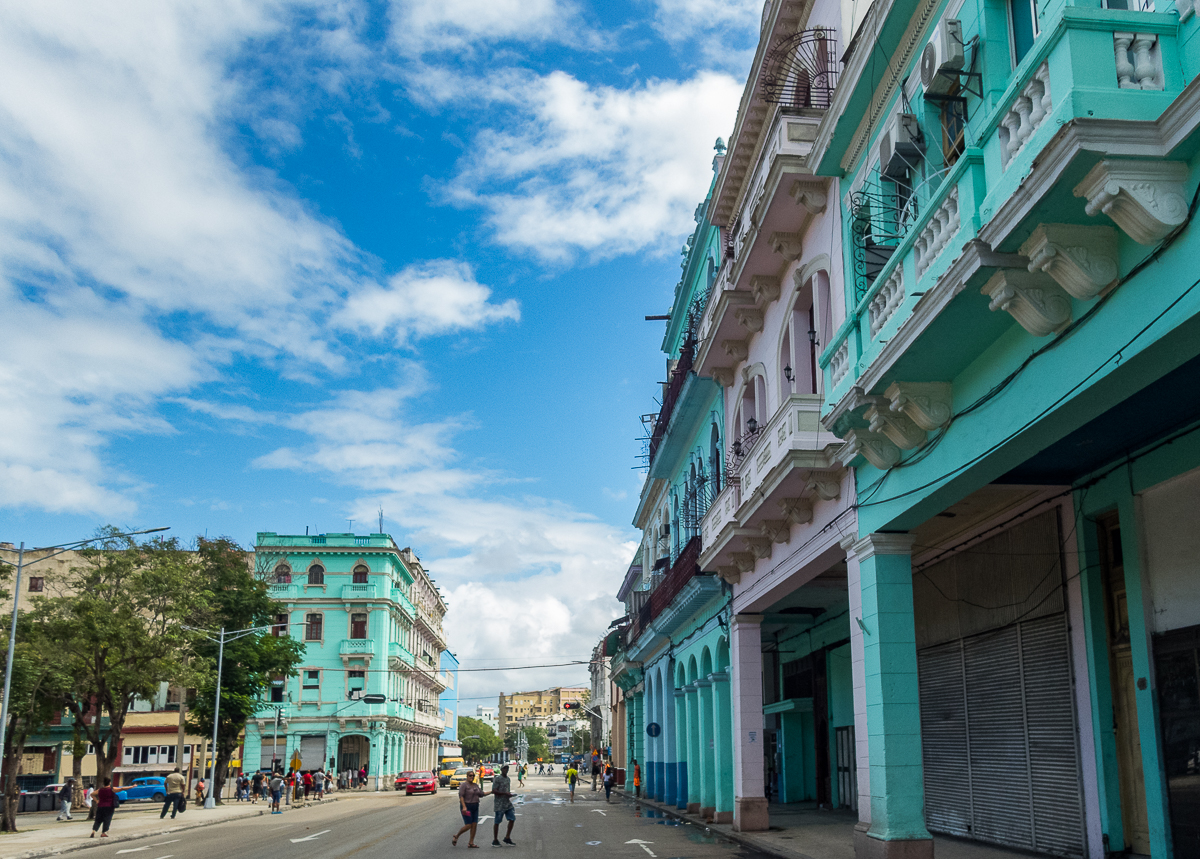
275, 265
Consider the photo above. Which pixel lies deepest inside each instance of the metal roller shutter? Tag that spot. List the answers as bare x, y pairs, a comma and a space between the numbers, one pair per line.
312, 752
268, 752
999, 741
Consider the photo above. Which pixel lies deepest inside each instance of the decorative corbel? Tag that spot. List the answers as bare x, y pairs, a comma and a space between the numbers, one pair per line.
779, 530
729, 573
798, 511
723, 376
824, 488
1082, 259
744, 561
738, 350
750, 318
1032, 298
1144, 198
876, 448
787, 245
765, 289
808, 196
897, 426
927, 404
760, 547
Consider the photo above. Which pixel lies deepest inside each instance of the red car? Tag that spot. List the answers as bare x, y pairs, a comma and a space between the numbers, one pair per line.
402, 780
420, 783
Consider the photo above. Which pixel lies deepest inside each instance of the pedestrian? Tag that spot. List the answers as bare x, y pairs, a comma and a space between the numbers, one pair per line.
502, 808
276, 785
595, 768
64, 800
256, 786
308, 784
572, 778
520, 776
637, 778
318, 783
609, 778
106, 804
174, 802
200, 791
469, 794
362, 778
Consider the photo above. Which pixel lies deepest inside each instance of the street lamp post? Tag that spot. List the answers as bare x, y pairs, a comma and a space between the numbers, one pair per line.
222, 637
12, 632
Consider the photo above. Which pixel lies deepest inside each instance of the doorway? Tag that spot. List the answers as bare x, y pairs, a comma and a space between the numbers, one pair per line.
353, 752
1120, 659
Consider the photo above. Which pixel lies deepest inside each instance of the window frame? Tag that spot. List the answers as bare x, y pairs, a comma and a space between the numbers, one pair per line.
308, 619
283, 573
360, 575
1012, 29
37, 584
317, 570
366, 625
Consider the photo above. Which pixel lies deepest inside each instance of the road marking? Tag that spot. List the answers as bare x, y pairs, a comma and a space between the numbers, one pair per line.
592, 843
309, 837
172, 841
133, 849
642, 844
598, 811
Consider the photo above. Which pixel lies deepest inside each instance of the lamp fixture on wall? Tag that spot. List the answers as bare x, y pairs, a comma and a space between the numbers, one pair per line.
787, 373
752, 425
812, 335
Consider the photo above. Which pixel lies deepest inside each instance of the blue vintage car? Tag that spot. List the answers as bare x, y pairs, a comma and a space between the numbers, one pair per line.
148, 787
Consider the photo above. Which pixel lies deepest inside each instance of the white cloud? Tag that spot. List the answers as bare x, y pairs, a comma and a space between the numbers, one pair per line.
599, 169
423, 26
426, 299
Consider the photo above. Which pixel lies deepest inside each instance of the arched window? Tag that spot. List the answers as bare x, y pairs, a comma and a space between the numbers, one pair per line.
714, 458
316, 575
798, 351
360, 574
283, 574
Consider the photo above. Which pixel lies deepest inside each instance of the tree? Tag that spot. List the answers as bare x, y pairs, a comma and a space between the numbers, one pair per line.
487, 743
535, 739
35, 696
120, 633
236, 599
581, 742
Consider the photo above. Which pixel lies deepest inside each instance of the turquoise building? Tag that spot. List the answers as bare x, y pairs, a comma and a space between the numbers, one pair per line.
370, 618
672, 658
448, 743
1013, 372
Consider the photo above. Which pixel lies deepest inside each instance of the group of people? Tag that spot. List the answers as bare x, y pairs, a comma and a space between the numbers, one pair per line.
299, 785
470, 792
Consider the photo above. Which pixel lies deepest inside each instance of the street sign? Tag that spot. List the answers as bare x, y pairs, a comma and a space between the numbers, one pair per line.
654, 729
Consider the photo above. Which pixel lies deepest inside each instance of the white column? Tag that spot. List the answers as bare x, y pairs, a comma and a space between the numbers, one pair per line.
750, 802
858, 673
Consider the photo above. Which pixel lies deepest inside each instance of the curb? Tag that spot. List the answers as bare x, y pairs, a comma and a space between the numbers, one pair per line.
740, 838
135, 836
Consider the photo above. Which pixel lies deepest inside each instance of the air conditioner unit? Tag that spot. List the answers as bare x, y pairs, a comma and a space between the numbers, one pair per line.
943, 53
900, 147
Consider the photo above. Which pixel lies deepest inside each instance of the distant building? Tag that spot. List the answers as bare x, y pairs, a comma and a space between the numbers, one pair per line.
449, 745
488, 715
537, 708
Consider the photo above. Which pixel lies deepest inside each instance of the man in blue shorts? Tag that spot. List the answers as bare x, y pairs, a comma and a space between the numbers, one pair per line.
502, 791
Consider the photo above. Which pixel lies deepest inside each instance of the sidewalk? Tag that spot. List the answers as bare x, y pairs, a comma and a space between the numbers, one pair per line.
41, 835
802, 831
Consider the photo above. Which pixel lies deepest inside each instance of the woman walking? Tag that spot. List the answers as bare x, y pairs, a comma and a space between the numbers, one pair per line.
609, 778
469, 794
64, 799
106, 804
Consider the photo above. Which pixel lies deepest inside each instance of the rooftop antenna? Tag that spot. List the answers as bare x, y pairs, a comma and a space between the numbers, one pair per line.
380, 518
351, 521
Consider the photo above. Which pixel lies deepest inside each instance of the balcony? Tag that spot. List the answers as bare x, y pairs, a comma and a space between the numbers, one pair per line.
674, 385
357, 647
674, 598
270, 538
431, 625
1098, 84
360, 592
398, 652
404, 602
786, 468
283, 591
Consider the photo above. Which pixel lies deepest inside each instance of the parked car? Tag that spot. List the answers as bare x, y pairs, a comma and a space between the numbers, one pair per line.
402, 779
421, 782
460, 775
153, 788
488, 772
444, 774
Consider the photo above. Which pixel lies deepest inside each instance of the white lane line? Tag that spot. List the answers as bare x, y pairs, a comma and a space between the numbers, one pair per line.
133, 849
598, 811
172, 841
642, 844
310, 837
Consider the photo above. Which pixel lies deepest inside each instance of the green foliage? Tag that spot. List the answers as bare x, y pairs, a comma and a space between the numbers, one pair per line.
120, 631
236, 599
488, 743
538, 742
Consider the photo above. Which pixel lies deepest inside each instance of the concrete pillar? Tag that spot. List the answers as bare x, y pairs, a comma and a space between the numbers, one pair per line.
695, 769
749, 798
682, 729
858, 679
708, 777
723, 738
648, 762
637, 749
670, 794
897, 798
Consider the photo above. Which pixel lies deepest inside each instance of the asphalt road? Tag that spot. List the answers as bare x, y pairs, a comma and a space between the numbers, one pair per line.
390, 825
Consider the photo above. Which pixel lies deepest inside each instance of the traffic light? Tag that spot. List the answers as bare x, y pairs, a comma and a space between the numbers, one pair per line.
571, 705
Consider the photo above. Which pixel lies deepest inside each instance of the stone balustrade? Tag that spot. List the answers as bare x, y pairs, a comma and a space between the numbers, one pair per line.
1026, 114
936, 234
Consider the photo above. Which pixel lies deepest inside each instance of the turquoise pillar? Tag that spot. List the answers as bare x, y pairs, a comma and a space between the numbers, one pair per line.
897, 782
637, 742
695, 774
708, 775
723, 738
682, 729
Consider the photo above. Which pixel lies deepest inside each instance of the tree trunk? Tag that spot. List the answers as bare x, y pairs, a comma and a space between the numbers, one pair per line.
16, 747
78, 750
